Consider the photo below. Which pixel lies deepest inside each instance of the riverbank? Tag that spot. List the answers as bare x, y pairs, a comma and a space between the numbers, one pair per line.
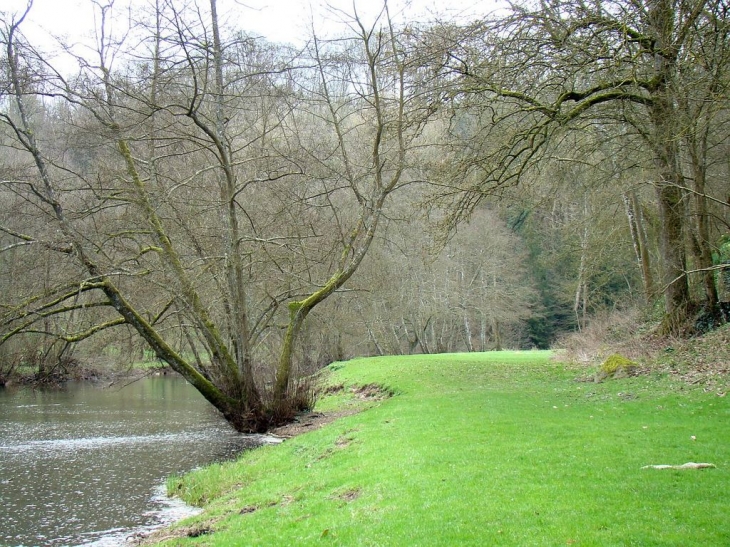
477, 449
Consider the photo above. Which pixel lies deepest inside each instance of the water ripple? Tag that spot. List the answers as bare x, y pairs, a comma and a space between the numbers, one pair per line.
86, 466
91, 443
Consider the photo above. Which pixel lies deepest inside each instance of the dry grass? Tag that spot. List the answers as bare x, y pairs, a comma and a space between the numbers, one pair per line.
703, 359
626, 332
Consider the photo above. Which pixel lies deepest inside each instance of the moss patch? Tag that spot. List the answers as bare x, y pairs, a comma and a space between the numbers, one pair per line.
616, 366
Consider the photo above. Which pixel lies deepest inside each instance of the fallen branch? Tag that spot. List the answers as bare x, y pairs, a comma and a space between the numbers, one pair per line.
688, 465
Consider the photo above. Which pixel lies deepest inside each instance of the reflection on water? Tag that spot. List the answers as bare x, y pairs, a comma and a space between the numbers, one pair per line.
84, 465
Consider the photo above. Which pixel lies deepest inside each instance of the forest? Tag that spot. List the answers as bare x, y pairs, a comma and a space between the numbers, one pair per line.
247, 212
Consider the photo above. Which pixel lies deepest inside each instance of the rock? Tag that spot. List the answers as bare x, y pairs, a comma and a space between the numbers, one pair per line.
616, 366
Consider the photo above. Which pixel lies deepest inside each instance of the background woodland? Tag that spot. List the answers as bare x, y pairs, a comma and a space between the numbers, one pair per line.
247, 212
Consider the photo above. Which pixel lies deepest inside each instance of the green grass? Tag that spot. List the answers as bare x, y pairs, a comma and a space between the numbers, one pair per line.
481, 449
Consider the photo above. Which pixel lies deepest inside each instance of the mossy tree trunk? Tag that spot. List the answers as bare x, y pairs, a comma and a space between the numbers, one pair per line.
397, 118
361, 240
46, 190
664, 139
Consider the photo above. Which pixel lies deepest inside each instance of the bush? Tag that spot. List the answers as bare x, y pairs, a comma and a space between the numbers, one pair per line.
301, 398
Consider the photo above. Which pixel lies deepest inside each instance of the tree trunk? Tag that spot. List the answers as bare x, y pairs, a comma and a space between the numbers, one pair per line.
497, 335
467, 333
676, 286
483, 333
670, 196
702, 225
581, 288
639, 240
239, 327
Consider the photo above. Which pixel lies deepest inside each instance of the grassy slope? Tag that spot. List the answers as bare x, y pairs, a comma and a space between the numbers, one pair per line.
483, 449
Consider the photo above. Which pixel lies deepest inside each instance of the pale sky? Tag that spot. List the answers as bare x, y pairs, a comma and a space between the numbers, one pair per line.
287, 21
278, 20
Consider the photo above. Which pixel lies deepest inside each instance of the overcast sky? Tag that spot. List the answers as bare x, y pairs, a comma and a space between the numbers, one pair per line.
278, 20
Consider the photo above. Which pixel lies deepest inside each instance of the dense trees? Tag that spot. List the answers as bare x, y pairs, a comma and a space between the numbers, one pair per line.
426, 188
642, 72
470, 293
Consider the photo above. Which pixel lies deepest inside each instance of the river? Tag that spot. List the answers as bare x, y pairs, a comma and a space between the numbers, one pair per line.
84, 465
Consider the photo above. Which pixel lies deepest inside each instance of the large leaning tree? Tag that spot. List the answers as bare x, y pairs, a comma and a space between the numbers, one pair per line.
650, 71
202, 188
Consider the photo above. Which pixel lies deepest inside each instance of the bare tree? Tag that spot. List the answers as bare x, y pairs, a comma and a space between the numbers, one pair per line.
225, 190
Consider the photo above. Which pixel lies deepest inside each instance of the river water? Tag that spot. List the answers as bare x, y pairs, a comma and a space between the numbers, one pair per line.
82, 465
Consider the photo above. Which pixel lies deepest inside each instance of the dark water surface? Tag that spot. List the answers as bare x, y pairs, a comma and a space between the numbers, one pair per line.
83, 465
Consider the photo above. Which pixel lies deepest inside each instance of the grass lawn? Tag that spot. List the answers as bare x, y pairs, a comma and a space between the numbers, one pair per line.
502, 448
